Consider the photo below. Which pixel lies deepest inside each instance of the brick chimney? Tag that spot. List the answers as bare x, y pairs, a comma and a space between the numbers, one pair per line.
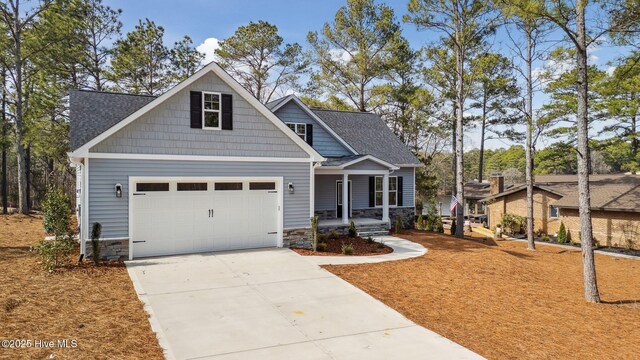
496, 184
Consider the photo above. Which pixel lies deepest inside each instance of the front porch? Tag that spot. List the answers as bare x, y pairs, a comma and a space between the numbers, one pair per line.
364, 226
356, 221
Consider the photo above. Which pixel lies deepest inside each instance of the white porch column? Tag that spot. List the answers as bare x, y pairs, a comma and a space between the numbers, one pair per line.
385, 197
345, 198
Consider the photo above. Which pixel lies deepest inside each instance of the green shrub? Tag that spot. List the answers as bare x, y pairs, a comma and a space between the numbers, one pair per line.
439, 227
96, 230
513, 222
453, 227
429, 226
545, 238
322, 238
333, 235
381, 244
322, 247
419, 223
628, 243
399, 226
370, 240
562, 234
56, 209
55, 253
352, 230
347, 249
314, 232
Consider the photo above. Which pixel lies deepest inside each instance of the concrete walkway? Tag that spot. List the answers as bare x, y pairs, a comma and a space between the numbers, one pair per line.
273, 304
402, 249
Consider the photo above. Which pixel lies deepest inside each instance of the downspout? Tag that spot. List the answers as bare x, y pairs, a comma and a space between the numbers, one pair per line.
82, 207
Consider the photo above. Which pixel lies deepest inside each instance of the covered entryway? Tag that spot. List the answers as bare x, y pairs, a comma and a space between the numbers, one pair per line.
188, 215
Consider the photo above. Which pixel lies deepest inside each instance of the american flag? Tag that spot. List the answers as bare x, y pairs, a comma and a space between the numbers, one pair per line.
454, 203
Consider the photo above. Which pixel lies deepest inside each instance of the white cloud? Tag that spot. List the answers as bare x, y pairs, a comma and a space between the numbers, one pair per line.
339, 55
610, 70
207, 48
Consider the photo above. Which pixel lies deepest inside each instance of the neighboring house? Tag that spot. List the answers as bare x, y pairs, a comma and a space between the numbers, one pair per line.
615, 206
207, 167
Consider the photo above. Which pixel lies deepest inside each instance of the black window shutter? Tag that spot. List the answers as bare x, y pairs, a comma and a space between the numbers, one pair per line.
309, 133
227, 112
400, 193
196, 109
372, 191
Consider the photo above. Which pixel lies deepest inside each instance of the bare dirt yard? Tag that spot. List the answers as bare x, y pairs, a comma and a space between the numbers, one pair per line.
505, 302
95, 306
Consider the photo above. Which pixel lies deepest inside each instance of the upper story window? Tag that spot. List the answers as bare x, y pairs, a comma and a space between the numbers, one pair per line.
393, 191
300, 129
211, 110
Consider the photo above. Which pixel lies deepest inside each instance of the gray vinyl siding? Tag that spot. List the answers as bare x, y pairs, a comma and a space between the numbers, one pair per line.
166, 130
113, 212
325, 187
323, 142
366, 165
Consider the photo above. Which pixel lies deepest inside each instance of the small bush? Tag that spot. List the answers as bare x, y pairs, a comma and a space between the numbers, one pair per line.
431, 225
347, 249
439, 227
352, 229
314, 231
322, 238
370, 240
454, 227
628, 243
419, 223
55, 253
381, 244
57, 212
545, 238
321, 247
333, 235
562, 234
399, 227
96, 230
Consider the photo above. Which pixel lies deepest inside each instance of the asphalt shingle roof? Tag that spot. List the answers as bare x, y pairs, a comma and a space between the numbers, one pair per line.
368, 135
94, 112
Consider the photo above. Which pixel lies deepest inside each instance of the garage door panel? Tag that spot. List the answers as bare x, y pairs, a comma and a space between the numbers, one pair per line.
178, 222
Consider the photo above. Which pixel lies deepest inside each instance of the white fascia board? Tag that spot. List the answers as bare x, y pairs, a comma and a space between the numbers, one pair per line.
127, 156
315, 117
369, 157
211, 67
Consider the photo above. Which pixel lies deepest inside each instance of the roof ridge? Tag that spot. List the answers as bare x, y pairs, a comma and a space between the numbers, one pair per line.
344, 111
112, 93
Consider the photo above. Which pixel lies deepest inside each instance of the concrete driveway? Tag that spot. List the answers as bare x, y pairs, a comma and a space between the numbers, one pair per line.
273, 304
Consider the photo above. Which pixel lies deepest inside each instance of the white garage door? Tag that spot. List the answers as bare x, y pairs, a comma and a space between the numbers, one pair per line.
199, 215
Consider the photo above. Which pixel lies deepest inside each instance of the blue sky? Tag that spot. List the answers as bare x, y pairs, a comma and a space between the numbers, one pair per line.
205, 19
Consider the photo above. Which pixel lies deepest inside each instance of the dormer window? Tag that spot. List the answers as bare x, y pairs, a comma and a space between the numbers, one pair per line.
300, 129
211, 110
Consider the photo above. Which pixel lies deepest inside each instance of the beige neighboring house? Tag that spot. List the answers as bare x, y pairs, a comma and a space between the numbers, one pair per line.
615, 206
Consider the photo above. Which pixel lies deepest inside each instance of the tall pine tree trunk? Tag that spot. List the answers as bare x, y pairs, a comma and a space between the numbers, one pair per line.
3, 181
531, 245
23, 206
482, 129
459, 129
586, 236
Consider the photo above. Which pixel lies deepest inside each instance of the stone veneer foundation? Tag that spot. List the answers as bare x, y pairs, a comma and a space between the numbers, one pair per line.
406, 214
110, 250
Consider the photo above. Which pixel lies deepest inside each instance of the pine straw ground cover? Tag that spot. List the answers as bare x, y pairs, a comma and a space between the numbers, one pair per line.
505, 302
97, 307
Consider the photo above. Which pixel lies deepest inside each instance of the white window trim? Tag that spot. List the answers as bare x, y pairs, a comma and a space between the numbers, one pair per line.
557, 212
380, 191
296, 129
219, 111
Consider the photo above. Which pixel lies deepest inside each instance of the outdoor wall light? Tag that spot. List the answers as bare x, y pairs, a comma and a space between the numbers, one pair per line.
291, 189
118, 190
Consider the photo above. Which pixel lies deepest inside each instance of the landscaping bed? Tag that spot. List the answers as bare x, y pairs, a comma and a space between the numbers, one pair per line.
361, 247
615, 250
95, 306
505, 302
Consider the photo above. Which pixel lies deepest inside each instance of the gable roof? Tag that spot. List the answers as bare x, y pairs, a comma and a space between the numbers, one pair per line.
83, 150
89, 118
279, 103
345, 161
368, 134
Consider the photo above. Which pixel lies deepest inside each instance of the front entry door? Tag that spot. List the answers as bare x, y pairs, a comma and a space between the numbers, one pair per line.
339, 199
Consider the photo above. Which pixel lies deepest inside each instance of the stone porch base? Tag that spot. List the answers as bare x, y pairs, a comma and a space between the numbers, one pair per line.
110, 250
406, 214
